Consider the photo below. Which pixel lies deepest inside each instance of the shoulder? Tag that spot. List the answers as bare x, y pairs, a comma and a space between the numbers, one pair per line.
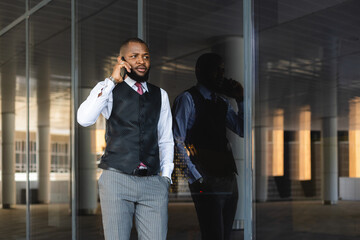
155, 89
184, 98
152, 86
164, 94
184, 95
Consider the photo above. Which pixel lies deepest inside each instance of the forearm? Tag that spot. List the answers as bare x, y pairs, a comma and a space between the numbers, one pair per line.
183, 155
166, 141
166, 149
166, 159
95, 104
240, 119
235, 121
183, 111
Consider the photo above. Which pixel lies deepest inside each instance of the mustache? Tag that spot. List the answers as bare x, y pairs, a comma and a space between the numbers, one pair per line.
141, 66
133, 75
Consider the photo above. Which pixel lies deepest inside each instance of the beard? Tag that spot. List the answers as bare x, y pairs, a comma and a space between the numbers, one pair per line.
133, 75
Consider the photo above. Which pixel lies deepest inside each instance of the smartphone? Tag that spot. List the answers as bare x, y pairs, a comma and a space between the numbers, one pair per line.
123, 71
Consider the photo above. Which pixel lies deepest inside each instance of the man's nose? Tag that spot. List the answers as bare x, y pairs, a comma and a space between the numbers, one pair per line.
140, 59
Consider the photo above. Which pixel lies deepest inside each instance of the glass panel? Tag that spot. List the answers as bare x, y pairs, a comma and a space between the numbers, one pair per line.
10, 11
307, 113
50, 117
13, 134
178, 34
33, 3
103, 25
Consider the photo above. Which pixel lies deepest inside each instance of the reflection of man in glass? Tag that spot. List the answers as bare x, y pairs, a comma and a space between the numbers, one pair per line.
201, 117
139, 145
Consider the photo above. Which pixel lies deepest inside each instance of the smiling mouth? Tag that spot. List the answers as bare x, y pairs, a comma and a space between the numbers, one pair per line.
141, 69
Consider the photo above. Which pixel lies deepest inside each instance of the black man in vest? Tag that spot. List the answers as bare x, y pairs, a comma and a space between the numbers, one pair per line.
138, 159
201, 116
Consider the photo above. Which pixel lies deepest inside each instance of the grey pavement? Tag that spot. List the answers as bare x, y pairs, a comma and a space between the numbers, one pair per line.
296, 220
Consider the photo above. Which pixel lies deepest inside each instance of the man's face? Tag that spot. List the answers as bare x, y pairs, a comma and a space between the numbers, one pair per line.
219, 75
214, 76
137, 55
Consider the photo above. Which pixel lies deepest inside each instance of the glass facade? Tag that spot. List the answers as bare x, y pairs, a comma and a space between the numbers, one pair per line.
49, 118
298, 163
13, 128
306, 96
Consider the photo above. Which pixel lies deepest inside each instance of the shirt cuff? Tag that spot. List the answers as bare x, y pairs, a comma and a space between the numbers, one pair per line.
167, 171
194, 176
109, 83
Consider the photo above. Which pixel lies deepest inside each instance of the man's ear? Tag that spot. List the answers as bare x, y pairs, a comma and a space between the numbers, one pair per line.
119, 60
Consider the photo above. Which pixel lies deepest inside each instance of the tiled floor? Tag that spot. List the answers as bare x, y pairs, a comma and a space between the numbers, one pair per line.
308, 220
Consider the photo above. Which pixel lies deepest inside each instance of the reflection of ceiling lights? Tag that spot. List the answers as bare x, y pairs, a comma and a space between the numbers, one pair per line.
176, 67
60, 77
296, 65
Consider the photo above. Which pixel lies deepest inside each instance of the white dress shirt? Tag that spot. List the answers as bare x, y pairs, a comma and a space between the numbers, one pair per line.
100, 101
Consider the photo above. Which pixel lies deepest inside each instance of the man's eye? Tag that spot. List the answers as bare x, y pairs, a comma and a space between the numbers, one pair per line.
133, 56
146, 57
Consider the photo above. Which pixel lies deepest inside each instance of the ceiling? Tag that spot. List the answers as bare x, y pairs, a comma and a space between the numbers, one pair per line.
303, 48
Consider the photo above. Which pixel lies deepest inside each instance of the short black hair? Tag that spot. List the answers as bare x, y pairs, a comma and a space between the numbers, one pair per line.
133, 39
206, 64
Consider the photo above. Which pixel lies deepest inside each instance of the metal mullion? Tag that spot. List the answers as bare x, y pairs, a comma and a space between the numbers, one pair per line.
249, 80
141, 20
74, 131
24, 16
27, 76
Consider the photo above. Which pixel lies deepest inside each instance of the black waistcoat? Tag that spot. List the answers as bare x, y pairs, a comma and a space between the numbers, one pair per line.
209, 148
131, 130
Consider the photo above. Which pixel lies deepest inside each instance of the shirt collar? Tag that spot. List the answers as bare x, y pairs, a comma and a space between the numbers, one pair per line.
204, 91
131, 82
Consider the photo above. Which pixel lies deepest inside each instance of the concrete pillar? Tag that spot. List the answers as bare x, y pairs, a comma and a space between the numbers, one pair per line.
329, 126
8, 81
87, 185
330, 160
261, 178
231, 49
43, 132
260, 140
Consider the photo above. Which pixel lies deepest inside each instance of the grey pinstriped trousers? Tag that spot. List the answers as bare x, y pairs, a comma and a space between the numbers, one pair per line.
123, 197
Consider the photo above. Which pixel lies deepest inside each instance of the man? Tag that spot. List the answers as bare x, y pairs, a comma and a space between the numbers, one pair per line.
200, 120
139, 146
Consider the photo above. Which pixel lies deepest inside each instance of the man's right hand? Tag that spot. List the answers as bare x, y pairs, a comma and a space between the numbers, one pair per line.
117, 68
233, 89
